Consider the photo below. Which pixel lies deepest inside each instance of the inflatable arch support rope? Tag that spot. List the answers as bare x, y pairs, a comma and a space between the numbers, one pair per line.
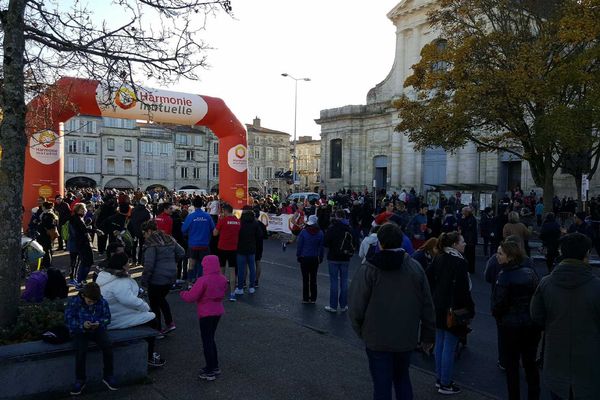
68, 97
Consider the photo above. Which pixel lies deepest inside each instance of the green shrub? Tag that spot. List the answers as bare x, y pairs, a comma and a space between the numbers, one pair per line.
33, 320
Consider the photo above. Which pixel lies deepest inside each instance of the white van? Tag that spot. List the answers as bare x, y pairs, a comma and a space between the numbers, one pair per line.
303, 196
193, 192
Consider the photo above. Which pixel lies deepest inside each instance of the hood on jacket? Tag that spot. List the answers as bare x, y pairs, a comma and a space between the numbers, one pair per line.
105, 277
159, 238
388, 260
211, 265
313, 230
571, 274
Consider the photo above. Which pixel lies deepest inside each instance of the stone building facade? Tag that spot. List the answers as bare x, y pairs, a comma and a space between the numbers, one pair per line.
268, 154
308, 152
120, 153
359, 146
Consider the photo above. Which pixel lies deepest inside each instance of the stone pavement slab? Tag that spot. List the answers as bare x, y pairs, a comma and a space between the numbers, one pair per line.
263, 356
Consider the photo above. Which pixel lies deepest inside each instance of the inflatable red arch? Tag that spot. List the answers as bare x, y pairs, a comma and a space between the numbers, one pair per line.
68, 97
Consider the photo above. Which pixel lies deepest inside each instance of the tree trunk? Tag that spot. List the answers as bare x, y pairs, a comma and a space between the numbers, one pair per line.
13, 140
578, 183
548, 184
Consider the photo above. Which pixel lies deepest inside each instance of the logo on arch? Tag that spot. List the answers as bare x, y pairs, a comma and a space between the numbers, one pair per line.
45, 147
237, 158
125, 98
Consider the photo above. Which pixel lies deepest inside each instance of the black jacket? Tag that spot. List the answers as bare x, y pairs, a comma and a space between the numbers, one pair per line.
468, 229
250, 233
487, 225
550, 235
139, 215
333, 241
64, 213
512, 295
445, 269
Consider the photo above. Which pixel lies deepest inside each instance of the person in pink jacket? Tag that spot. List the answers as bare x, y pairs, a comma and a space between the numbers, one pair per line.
208, 292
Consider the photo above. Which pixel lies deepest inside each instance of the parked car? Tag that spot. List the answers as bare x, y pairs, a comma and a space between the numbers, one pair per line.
303, 196
192, 192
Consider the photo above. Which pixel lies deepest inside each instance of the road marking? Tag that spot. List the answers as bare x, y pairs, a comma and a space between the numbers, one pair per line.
290, 267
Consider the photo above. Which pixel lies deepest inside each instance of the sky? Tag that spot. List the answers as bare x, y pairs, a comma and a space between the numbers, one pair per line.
345, 47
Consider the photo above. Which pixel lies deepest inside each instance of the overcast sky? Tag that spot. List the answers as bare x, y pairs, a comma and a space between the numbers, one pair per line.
345, 46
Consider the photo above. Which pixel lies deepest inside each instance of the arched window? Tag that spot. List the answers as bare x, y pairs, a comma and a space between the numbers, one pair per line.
441, 65
335, 152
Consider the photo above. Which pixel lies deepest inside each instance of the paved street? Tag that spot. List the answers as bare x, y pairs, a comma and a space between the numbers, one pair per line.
274, 347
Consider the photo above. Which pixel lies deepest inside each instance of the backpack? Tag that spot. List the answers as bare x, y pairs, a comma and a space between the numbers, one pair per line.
347, 245
127, 239
64, 231
35, 287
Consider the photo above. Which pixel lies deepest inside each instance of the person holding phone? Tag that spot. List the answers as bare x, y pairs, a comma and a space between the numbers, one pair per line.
87, 317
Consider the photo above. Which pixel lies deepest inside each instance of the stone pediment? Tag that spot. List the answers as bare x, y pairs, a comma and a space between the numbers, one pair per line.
407, 7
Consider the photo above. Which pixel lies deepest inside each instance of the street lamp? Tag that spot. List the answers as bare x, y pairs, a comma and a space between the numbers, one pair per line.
295, 159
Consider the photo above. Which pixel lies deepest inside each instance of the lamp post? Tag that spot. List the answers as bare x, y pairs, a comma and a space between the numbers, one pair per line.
294, 158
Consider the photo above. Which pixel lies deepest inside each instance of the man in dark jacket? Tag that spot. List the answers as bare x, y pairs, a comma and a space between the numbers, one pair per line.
389, 298
64, 213
139, 215
340, 242
566, 305
468, 229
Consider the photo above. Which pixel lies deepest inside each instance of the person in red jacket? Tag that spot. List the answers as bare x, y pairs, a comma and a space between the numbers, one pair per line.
228, 231
164, 221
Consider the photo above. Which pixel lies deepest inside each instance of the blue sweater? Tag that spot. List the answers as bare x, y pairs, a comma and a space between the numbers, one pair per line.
198, 226
310, 243
78, 312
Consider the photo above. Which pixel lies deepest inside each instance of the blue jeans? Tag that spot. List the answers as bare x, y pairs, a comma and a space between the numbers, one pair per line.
242, 260
338, 278
445, 346
389, 368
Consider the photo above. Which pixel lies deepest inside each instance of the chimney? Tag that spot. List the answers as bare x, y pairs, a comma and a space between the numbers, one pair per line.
256, 122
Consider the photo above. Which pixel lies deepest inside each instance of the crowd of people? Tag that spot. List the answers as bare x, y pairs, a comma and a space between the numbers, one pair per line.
413, 288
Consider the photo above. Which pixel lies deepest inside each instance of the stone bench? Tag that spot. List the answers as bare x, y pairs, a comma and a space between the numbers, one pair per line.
33, 368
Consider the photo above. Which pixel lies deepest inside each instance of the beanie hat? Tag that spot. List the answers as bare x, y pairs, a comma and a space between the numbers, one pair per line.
382, 218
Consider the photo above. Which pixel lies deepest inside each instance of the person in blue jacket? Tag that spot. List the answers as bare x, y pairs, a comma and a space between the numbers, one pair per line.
309, 253
198, 227
87, 316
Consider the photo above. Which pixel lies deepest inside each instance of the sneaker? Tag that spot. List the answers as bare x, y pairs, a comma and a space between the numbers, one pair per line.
160, 336
331, 309
156, 360
180, 281
77, 388
305, 302
438, 384
210, 376
232, 297
216, 371
239, 291
72, 282
170, 328
256, 284
502, 368
251, 290
283, 246
344, 309
110, 383
450, 389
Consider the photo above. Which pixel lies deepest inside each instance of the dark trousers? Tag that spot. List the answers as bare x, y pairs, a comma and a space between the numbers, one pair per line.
554, 396
390, 369
74, 261
551, 255
157, 296
182, 269
501, 353
102, 239
208, 327
521, 343
228, 258
309, 267
137, 253
86, 259
470, 256
487, 246
81, 341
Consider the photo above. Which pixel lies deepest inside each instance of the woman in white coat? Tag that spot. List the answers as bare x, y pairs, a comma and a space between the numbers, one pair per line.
126, 308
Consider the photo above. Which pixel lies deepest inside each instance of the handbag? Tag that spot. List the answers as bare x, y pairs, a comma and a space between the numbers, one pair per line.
457, 317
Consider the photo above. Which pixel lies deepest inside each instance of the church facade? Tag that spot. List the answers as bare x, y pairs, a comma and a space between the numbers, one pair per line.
360, 149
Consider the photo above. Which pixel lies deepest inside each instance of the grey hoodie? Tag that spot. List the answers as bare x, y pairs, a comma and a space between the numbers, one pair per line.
161, 253
389, 296
566, 305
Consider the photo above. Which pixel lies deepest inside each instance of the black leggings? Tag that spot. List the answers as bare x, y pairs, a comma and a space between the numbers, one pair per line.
309, 267
157, 296
208, 327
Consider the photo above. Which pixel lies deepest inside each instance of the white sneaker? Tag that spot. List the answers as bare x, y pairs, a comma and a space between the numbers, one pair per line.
239, 291
251, 290
331, 309
344, 309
